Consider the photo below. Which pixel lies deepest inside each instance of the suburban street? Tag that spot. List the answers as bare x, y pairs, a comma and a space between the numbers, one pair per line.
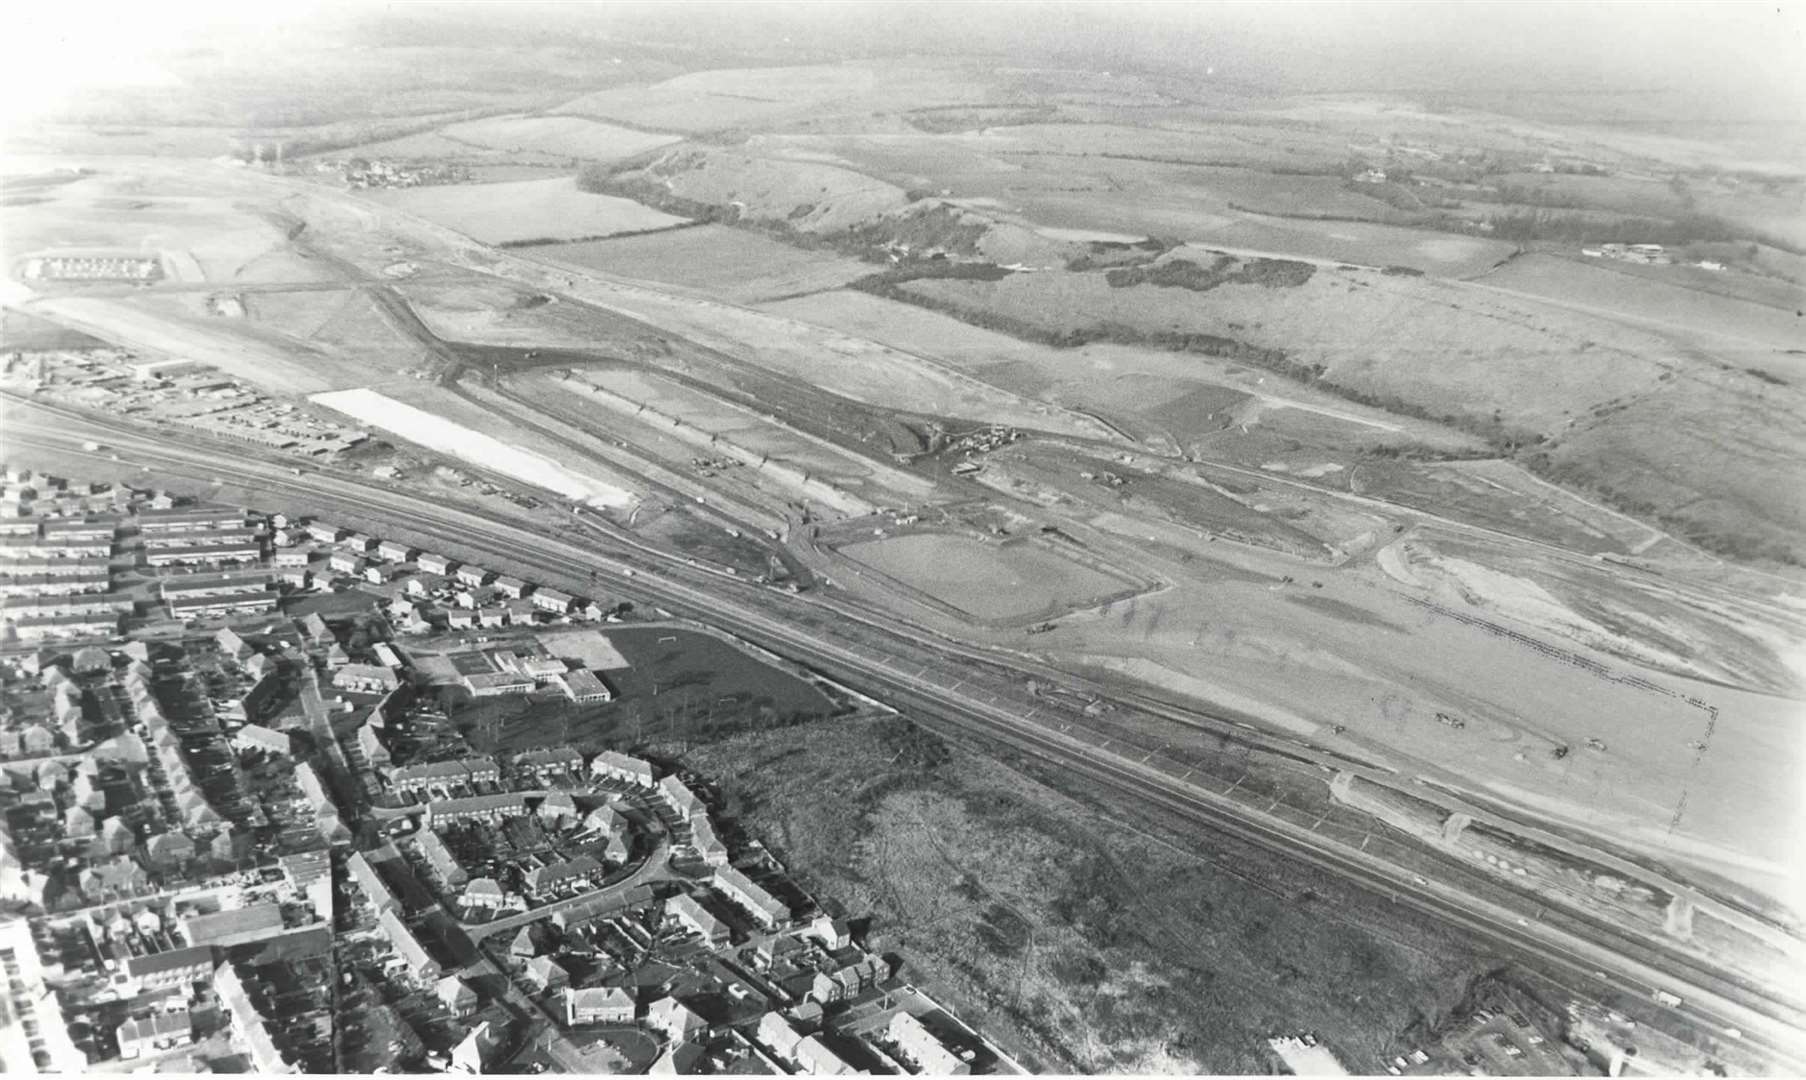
940, 683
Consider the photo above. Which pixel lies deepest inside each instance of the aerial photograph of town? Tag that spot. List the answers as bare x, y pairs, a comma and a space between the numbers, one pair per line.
903, 538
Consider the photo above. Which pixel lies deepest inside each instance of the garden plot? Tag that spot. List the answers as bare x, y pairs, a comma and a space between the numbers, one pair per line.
525, 211
993, 582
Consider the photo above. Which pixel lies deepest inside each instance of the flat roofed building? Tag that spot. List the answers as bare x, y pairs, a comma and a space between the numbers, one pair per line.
498, 684
584, 688
293, 558
236, 927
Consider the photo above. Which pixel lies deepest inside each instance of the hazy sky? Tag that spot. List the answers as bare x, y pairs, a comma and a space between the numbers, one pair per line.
1737, 58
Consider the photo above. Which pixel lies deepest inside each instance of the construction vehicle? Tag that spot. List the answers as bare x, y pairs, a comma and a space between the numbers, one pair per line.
1452, 721
1595, 744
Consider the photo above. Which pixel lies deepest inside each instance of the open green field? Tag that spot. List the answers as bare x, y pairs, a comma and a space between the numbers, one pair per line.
991, 581
519, 211
733, 264
1083, 940
691, 674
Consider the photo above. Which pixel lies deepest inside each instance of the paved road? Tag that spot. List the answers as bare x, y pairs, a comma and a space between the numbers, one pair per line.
1713, 1002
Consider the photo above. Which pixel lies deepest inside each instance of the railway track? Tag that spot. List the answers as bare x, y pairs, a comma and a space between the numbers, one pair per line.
1714, 1003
